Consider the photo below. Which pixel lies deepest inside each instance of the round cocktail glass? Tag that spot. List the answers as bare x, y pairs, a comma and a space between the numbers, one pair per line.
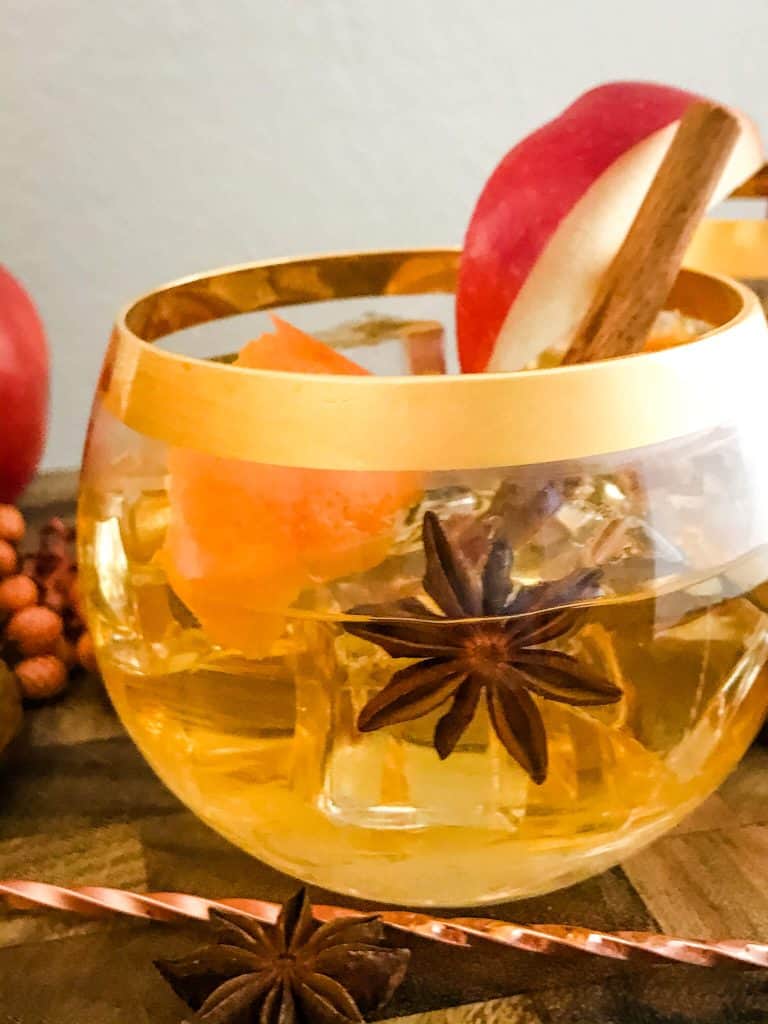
429, 639
738, 248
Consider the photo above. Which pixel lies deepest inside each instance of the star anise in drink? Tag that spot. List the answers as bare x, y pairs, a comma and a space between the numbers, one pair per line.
487, 637
298, 972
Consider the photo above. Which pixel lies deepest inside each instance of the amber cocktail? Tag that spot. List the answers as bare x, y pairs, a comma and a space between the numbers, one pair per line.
432, 639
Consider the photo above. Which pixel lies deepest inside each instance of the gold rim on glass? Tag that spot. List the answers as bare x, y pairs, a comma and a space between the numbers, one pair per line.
417, 423
738, 248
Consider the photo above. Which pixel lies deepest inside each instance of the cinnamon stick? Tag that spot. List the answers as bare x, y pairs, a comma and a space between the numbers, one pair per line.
755, 188
639, 279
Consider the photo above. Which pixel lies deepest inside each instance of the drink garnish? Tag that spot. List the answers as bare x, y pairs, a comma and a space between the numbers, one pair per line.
489, 639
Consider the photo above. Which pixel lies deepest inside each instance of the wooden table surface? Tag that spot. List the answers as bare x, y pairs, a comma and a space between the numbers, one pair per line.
78, 805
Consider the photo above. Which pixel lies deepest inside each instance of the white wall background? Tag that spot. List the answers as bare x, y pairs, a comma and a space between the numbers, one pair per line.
147, 139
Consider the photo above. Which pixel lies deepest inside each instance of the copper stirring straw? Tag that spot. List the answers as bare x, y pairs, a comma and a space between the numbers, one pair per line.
99, 901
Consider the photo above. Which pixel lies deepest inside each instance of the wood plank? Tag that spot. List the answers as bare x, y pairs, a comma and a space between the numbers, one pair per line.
84, 714
745, 792
105, 856
516, 1010
714, 815
706, 885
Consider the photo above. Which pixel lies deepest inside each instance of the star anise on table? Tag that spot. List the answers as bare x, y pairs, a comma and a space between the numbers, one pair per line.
489, 638
297, 972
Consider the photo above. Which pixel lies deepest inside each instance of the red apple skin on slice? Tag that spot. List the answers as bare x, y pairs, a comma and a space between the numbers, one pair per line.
555, 211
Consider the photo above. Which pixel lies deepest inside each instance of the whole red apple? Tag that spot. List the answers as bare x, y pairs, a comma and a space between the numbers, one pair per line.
23, 387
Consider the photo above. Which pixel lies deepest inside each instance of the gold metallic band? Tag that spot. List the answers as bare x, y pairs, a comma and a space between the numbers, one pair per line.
735, 247
419, 423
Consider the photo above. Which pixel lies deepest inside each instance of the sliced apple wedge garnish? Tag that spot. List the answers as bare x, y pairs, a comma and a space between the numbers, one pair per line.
555, 211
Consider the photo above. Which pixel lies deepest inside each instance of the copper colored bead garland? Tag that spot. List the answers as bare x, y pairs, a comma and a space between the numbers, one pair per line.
8, 558
42, 676
12, 525
42, 634
16, 592
85, 654
33, 630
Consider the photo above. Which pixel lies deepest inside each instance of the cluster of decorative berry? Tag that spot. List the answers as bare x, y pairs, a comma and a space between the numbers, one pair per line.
42, 631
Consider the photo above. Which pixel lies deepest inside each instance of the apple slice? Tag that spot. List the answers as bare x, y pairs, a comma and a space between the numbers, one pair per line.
555, 211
